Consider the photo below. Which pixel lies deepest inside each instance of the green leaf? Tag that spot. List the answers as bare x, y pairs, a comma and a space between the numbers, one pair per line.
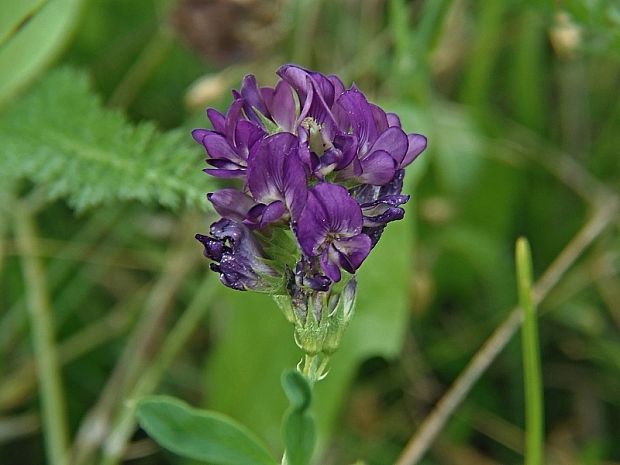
298, 429
32, 33
297, 389
200, 434
299, 437
14, 15
62, 137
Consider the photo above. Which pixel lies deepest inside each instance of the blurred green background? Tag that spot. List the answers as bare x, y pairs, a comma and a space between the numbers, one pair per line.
102, 192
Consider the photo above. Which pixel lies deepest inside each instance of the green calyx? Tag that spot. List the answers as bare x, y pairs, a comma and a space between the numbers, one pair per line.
320, 318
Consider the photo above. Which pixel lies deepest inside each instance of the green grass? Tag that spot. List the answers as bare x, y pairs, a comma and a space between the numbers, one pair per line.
532, 372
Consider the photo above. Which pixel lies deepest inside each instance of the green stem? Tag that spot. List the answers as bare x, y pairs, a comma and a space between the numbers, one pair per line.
314, 367
42, 328
531, 358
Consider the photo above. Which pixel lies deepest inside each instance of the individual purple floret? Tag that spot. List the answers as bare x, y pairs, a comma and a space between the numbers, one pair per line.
236, 255
321, 171
277, 179
381, 205
330, 227
229, 143
270, 106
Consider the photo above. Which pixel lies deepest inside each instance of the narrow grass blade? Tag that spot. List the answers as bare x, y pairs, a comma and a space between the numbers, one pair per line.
51, 392
531, 357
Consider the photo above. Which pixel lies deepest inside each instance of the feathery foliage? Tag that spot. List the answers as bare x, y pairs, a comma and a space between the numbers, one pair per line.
61, 137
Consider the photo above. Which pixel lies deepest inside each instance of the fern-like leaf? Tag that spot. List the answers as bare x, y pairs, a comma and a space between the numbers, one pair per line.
61, 137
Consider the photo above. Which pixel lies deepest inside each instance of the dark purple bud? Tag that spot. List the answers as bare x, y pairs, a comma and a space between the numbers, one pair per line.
237, 256
214, 248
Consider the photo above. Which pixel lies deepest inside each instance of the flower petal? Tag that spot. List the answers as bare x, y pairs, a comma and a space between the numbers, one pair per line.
252, 99
232, 118
231, 203
218, 147
360, 117
338, 86
381, 121
328, 261
214, 248
342, 214
352, 251
282, 107
224, 168
199, 134
224, 163
225, 174
417, 144
271, 214
329, 210
378, 168
393, 120
218, 120
347, 144
297, 78
246, 135
276, 173
392, 141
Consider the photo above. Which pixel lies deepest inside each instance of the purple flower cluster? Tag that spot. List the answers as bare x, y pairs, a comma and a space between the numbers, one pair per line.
317, 166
